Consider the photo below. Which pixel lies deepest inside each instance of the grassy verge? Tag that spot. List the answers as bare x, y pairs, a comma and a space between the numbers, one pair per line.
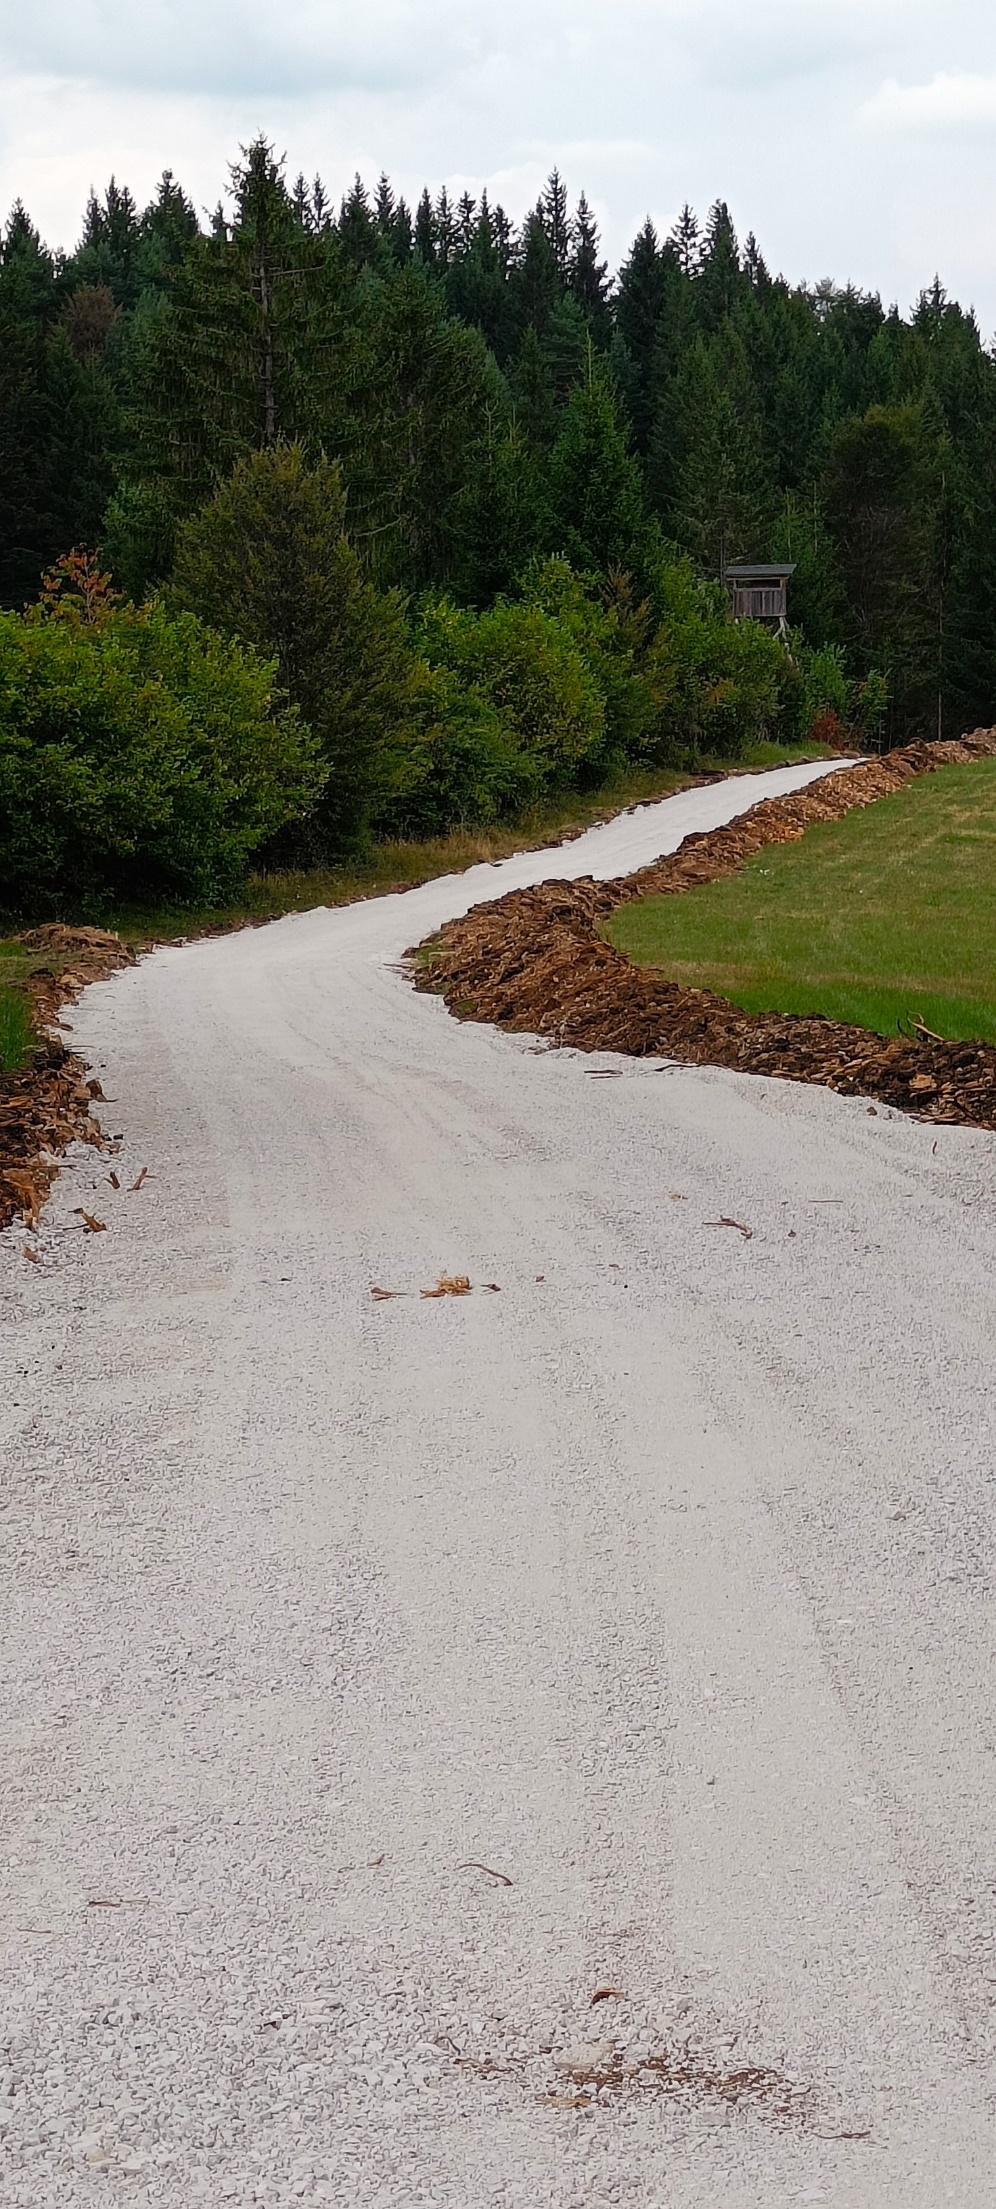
16, 1024
16, 1034
885, 917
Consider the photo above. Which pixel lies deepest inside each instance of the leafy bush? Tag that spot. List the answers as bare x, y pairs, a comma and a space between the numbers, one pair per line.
719, 686
525, 664
139, 755
461, 765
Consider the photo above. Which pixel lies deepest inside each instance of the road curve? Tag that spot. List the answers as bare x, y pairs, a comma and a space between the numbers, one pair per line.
384, 1679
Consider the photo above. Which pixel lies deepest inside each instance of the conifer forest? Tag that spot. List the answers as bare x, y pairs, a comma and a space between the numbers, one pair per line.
323, 523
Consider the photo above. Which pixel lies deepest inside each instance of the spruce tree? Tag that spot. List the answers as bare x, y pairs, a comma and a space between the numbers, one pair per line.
587, 276
686, 240
268, 560
639, 305
533, 393
360, 235
595, 489
553, 215
725, 502
720, 278
425, 233
503, 515
535, 284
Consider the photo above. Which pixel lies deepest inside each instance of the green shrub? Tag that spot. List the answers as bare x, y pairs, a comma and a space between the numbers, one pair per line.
525, 664
16, 1034
268, 560
140, 755
461, 765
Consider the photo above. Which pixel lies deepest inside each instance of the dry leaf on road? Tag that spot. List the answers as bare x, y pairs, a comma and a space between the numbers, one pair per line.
90, 1225
450, 1284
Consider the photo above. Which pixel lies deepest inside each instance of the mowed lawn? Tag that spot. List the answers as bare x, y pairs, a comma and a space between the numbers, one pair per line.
885, 917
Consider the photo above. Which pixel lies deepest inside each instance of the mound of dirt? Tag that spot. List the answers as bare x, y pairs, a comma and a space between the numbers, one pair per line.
49, 1103
535, 960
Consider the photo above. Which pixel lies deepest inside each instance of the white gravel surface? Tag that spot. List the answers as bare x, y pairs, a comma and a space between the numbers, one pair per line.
660, 1582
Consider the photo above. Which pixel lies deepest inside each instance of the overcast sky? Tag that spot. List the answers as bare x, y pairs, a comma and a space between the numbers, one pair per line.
857, 138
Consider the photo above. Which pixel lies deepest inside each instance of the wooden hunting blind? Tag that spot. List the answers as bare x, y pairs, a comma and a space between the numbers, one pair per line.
760, 593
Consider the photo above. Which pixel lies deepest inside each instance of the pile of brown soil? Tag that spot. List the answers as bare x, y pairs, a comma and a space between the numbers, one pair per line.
49, 1103
535, 960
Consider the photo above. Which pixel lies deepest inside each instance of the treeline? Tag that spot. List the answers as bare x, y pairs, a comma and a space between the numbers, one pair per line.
468, 500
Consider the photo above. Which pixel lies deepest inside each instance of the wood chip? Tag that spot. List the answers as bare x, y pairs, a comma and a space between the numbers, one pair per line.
537, 961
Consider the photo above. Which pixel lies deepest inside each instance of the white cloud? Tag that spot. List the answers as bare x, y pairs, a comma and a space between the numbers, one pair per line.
951, 101
801, 113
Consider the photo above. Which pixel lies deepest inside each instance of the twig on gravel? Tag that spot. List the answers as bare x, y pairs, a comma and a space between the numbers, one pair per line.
91, 1226
746, 1232
474, 1866
137, 1184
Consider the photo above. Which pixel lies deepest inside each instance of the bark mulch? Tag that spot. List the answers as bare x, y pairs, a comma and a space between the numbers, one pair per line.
48, 1104
536, 961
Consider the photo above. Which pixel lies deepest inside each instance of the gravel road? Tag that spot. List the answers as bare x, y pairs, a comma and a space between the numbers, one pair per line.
382, 1680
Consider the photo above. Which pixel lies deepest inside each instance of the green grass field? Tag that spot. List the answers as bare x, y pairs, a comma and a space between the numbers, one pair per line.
15, 1029
884, 917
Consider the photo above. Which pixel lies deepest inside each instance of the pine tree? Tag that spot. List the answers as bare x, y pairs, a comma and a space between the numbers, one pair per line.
446, 229
425, 233
321, 208
686, 239
533, 393
235, 354
882, 492
168, 227
535, 283
84, 440
111, 245
552, 213
475, 284
268, 560
725, 498
465, 222
503, 517
360, 237
720, 281
384, 205
403, 238
587, 276
754, 265
301, 201
594, 481
639, 305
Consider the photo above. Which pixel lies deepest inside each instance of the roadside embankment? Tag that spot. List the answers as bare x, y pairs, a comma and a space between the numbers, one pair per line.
48, 1103
535, 960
